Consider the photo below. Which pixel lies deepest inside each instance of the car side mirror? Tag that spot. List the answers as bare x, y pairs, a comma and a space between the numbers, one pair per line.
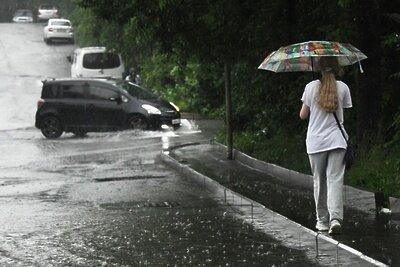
69, 58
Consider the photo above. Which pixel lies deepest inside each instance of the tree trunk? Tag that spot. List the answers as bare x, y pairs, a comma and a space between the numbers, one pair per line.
369, 104
228, 109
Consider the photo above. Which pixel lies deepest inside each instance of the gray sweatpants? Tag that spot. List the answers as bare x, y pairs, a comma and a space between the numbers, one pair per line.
328, 175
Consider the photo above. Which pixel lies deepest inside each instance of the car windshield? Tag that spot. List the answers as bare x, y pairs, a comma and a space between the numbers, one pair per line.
60, 23
47, 7
136, 90
25, 13
101, 60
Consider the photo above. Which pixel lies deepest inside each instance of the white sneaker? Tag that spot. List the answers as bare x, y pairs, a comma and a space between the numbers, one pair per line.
322, 226
335, 227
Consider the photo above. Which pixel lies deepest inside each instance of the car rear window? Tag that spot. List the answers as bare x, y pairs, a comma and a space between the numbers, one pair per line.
46, 7
23, 13
60, 23
101, 61
49, 91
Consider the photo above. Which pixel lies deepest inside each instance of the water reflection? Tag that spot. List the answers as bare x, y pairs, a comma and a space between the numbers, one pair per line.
178, 237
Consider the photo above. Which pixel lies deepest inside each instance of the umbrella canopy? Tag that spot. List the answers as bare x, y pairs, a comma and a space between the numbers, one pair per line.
304, 56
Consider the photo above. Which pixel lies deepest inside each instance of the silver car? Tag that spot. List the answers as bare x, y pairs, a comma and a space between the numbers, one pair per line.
58, 29
23, 15
47, 11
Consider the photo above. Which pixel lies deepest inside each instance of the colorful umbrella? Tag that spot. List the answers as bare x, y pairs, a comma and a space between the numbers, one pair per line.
304, 56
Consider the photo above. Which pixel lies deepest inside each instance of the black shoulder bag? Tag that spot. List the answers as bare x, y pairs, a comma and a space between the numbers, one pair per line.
349, 156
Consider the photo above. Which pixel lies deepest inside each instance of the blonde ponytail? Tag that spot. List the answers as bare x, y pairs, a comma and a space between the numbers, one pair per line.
327, 96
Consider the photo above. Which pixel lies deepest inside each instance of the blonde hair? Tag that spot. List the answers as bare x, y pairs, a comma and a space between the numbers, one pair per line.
327, 96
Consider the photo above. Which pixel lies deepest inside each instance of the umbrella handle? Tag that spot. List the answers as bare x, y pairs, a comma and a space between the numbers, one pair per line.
361, 69
359, 64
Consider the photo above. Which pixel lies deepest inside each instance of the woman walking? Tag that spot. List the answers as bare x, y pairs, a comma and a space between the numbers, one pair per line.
325, 143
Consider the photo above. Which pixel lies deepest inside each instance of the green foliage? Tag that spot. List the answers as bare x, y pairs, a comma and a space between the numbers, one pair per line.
378, 170
186, 83
171, 80
283, 149
395, 141
92, 31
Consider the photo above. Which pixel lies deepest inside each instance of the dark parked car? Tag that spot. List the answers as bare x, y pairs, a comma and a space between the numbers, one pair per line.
92, 105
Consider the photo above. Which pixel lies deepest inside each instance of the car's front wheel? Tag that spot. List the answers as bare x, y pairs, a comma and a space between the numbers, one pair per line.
51, 127
137, 122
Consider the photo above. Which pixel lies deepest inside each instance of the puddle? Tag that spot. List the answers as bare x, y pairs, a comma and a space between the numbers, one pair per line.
177, 237
111, 179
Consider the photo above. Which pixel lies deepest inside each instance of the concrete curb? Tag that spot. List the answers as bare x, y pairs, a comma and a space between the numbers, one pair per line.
325, 249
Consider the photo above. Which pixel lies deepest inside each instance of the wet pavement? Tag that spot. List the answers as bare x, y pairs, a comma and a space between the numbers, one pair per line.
105, 200
375, 236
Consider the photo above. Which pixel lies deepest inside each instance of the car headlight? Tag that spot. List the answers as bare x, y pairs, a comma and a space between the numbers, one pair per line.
151, 109
175, 106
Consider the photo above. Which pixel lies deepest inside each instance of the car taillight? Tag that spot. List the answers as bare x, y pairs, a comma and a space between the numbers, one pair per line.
40, 103
50, 29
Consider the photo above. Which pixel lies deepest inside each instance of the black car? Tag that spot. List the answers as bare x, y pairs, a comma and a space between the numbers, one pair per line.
93, 105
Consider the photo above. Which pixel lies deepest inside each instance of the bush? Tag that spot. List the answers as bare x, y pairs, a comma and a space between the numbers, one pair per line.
377, 171
379, 168
282, 149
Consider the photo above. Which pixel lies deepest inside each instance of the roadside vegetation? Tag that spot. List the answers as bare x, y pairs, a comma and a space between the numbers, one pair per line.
194, 52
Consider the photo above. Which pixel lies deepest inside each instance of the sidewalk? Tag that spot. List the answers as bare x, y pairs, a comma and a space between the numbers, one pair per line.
279, 202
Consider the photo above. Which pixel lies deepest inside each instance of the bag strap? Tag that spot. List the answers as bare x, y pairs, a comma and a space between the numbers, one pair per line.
340, 127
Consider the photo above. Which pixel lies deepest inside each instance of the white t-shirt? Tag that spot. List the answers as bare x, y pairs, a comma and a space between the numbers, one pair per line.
323, 133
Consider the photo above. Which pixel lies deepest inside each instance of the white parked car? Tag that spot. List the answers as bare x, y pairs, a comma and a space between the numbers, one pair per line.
47, 11
58, 29
96, 62
23, 15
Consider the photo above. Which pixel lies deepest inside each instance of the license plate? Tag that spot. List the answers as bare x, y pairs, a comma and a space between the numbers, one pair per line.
176, 121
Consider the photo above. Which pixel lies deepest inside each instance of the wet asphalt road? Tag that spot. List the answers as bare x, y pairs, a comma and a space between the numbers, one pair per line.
104, 200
